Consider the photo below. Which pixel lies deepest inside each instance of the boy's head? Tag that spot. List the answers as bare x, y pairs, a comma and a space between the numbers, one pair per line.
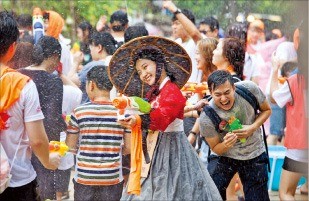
134, 32
9, 34
25, 22
97, 80
288, 69
119, 21
100, 41
209, 27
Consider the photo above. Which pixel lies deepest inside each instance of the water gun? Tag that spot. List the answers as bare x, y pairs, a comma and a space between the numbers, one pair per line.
75, 48
37, 24
282, 80
195, 87
234, 124
134, 103
60, 147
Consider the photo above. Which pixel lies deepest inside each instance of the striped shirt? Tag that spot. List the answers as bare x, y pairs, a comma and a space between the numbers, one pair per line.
98, 160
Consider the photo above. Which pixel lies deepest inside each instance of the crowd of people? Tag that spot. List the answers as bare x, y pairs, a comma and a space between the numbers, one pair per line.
191, 145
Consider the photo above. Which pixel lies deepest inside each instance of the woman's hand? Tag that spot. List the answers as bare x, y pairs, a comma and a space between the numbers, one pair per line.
78, 58
128, 122
187, 94
275, 62
191, 137
200, 104
54, 161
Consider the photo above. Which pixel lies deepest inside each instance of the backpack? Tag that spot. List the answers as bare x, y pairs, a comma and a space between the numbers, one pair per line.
248, 96
6, 167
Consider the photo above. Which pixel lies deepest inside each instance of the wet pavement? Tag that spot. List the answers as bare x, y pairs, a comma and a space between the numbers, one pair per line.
273, 195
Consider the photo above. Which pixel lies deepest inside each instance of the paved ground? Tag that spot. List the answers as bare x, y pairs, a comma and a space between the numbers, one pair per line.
273, 195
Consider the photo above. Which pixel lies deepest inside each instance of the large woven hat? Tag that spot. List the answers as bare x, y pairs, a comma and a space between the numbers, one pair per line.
122, 72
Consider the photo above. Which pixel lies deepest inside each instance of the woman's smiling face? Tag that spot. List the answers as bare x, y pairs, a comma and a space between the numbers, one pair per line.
146, 70
218, 59
201, 62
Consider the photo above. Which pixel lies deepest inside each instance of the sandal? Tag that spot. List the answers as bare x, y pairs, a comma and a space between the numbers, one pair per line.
302, 189
66, 195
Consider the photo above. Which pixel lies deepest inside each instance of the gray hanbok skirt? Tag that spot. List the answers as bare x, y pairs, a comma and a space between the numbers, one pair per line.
176, 173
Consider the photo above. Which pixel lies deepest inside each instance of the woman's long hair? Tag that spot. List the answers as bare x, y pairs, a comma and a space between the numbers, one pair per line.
206, 47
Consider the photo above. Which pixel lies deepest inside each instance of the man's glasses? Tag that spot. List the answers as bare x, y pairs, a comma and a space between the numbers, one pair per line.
204, 32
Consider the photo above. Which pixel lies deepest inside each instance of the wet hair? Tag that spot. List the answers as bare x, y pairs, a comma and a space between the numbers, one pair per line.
211, 22
237, 30
187, 13
269, 35
8, 31
119, 16
106, 40
24, 21
134, 32
98, 74
26, 38
288, 67
84, 45
46, 16
234, 51
23, 56
85, 25
46, 47
206, 47
156, 55
219, 77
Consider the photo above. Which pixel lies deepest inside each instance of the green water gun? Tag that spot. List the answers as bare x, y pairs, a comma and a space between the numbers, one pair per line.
133, 102
235, 124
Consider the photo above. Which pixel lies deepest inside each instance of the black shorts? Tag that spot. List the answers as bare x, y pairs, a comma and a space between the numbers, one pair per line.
22, 193
295, 166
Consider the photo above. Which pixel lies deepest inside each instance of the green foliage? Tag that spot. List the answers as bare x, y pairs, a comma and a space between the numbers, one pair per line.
224, 10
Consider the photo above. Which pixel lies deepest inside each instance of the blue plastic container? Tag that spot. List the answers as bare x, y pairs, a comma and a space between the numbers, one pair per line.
276, 157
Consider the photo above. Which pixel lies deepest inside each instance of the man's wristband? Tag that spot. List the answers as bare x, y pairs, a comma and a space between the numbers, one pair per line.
177, 11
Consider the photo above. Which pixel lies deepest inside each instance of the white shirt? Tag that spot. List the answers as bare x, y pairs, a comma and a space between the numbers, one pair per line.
283, 95
251, 66
26, 109
72, 96
66, 58
196, 75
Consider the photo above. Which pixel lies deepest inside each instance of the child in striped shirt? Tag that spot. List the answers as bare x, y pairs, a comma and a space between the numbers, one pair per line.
98, 172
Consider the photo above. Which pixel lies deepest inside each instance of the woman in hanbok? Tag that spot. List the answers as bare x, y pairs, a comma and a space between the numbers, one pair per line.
157, 68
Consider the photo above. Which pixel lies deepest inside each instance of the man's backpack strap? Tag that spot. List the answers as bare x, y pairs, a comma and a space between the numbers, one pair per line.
214, 117
248, 96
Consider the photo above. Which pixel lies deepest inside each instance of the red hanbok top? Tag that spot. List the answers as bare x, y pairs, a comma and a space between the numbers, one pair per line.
168, 106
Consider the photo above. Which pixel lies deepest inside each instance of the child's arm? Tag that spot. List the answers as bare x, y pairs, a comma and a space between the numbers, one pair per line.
71, 140
127, 142
73, 132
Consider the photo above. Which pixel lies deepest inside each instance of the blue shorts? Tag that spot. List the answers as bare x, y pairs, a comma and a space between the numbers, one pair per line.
277, 120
